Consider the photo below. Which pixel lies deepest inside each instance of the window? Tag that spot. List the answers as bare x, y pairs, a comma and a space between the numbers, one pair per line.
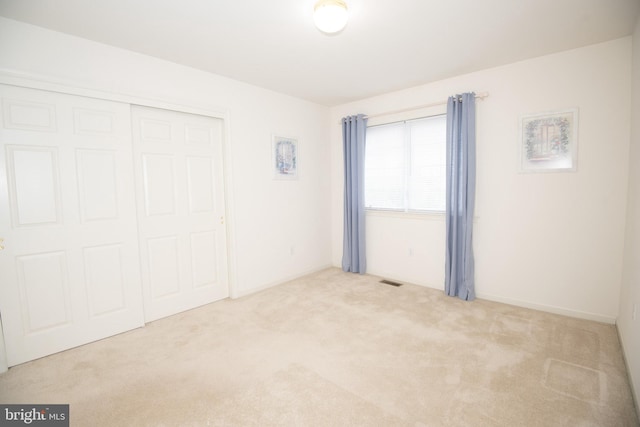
405, 165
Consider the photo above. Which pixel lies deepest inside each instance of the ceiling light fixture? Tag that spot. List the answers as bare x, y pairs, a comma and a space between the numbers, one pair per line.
330, 16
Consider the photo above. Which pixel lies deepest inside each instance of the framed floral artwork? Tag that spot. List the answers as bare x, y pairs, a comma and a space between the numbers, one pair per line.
549, 141
284, 157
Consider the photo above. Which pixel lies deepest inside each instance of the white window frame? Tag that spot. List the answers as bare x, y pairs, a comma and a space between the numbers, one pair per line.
405, 212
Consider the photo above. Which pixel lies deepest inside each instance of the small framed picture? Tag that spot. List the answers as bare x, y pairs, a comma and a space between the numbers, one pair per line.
284, 157
549, 141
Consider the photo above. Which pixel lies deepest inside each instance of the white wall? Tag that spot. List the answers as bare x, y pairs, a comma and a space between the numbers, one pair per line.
551, 241
548, 240
269, 217
629, 328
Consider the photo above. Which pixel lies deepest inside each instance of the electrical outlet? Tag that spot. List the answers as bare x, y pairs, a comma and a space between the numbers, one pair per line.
292, 250
410, 251
634, 314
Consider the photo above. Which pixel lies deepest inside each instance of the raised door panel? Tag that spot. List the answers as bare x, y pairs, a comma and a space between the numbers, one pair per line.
200, 184
159, 187
94, 122
155, 131
203, 259
34, 189
29, 115
98, 192
164, 267
45, 301
105, 279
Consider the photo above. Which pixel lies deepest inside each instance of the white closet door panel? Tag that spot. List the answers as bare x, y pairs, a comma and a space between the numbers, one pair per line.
159, 184
45, 300
180, 210
29, 115
163, 267
70, 271
203, 250
200, 184
33, 185
98, 184
105, 279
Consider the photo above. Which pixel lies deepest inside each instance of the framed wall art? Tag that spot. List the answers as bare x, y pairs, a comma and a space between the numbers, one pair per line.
549, 141
284, 157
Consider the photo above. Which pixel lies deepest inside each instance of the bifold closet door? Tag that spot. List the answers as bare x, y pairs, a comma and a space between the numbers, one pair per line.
179, 181
70, 267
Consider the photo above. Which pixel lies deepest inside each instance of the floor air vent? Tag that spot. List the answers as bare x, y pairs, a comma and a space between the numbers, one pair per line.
389, 282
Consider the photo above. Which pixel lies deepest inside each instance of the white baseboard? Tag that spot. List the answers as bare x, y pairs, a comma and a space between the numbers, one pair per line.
634, 392
518, 303
550, 309
4, 365
245, 293
399, 278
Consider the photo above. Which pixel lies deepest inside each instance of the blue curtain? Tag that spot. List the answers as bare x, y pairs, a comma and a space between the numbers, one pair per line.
461, 188
353, 136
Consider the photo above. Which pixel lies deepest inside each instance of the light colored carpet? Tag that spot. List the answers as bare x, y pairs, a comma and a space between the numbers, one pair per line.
337, 349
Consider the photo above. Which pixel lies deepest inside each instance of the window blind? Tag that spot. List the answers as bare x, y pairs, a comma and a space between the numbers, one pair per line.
405, 165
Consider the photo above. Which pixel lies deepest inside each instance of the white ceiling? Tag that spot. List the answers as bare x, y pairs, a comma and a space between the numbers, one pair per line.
387, 44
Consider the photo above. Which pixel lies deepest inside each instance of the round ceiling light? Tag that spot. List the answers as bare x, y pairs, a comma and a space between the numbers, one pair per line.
330, 16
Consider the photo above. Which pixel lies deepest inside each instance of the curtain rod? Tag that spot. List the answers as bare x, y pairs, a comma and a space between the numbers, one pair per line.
481, 95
